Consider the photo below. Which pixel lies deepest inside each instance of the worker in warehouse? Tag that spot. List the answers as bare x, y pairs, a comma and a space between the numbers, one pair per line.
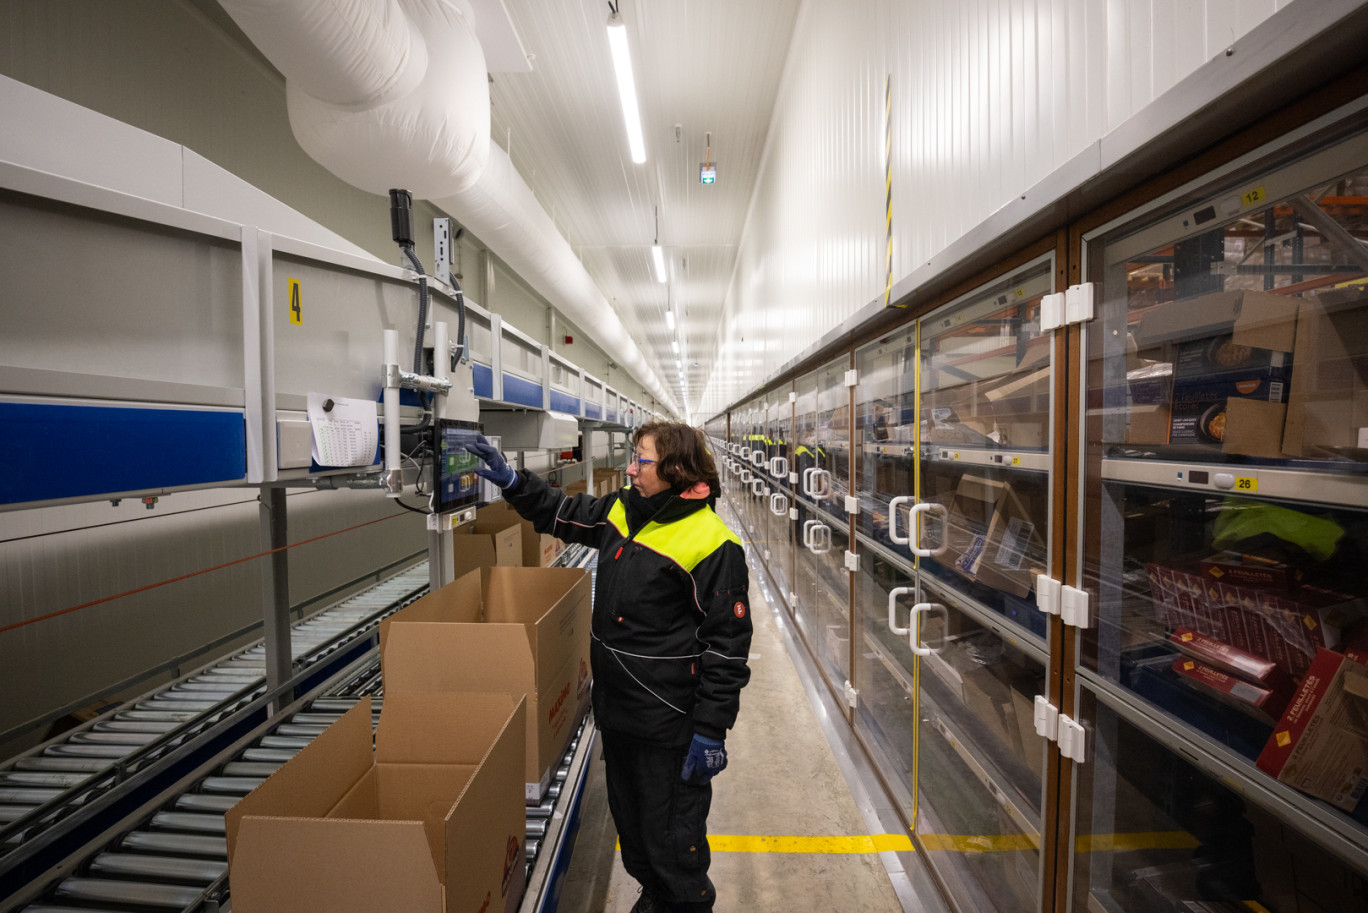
670, 638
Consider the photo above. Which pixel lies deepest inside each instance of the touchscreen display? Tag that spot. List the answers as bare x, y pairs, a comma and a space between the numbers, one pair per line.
457, 484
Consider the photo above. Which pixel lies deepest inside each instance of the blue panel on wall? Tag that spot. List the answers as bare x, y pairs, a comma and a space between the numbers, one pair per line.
522, 392
593, 410
564, 402
58, 451
484, 380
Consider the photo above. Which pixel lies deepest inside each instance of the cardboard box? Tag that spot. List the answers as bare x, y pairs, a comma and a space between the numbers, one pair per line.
958, 415
429, 821
1021, 407
609, 480
1227, 658
502, 528
520, 630
1320, 744
538, 549
1251, 571
1259, 702
992, 537
1327, 415
1194, 336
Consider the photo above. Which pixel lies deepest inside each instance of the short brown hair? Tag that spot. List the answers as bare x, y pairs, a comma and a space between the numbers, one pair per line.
682, 457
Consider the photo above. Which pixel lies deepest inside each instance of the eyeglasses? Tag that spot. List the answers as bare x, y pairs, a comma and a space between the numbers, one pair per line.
641, 460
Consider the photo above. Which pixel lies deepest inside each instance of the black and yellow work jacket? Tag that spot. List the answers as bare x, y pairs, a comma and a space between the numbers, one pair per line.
671, 624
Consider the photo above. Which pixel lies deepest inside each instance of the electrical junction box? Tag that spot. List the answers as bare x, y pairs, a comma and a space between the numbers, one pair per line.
533, 430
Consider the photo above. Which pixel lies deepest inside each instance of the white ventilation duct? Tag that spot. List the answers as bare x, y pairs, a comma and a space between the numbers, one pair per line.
394, 93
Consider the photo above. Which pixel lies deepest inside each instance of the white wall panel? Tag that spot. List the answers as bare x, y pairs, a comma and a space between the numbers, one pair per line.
989, 97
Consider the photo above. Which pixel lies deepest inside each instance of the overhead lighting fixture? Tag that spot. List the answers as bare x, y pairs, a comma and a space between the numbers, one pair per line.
659, 256
669, 318
622, 65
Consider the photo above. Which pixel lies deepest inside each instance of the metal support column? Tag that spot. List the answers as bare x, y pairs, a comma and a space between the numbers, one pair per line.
275, 591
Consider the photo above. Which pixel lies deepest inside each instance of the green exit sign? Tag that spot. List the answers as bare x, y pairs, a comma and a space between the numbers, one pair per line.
707, 173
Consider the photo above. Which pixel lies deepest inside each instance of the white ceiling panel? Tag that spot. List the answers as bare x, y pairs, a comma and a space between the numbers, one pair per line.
705, 70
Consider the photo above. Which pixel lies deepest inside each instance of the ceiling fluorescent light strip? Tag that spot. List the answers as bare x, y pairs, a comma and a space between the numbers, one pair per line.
622, 65
658, 256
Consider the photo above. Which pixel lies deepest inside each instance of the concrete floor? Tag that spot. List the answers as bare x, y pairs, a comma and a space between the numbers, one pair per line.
793, 771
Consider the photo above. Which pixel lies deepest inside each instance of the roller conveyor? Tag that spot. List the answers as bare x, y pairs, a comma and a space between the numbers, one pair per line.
157, 722
176, 857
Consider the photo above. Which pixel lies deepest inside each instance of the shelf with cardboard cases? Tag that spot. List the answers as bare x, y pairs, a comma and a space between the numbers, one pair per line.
952, 471
1225, 524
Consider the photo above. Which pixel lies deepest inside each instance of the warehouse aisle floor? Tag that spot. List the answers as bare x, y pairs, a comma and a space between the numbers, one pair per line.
794, 773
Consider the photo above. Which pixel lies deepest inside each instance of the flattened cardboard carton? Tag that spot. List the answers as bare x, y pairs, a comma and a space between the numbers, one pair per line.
521, 630
430, 821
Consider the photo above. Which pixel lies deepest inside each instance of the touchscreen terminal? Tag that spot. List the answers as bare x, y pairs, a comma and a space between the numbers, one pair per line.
457, 485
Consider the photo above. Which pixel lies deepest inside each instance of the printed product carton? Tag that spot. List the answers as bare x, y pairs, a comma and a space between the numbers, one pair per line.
1320, 745
991, 535
538, 549
430, 821
521, 630
1327, 412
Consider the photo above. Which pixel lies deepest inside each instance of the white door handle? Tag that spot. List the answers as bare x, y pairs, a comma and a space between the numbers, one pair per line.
821, 484
778, 504
927, 507
821, 539
778, 466
914, 621
757, 457
745, 477
893, 518
757, 487
807, 532
893, 626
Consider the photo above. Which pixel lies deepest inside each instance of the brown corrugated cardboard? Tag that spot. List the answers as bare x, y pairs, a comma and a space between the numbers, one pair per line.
538, 549
1259, 319
522, 630
991, 535
430, 822
1327, 413
504, 531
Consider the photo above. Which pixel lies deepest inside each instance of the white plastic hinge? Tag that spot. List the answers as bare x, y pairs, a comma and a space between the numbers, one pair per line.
793, 513
852, 377
1075, 606
767, 556
793, 396
793, 478
793, 598
1047, 595
851, 694
852, 561
852, 504
1072, 740
1046, 718
1078, 303
1052, 312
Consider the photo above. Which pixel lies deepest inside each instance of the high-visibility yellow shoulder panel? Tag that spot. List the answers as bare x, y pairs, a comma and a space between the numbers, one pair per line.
690, 540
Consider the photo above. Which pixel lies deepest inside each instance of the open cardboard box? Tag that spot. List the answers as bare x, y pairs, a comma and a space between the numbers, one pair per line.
538, 549
503, 530
520, 630
991, 535
1259, 320
430, 821
1327, 412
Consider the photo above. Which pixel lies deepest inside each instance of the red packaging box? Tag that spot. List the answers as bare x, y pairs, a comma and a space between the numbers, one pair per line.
1259, 702
1320, 744
1248, 666
1250, 571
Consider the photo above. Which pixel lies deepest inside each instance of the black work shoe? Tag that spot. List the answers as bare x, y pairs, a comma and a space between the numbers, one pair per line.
647, 903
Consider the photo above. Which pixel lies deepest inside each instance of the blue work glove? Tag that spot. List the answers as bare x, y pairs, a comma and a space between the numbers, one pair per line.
705, 760
499, 471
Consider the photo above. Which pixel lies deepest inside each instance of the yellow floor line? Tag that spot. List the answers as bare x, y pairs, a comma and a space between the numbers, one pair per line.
955, 843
